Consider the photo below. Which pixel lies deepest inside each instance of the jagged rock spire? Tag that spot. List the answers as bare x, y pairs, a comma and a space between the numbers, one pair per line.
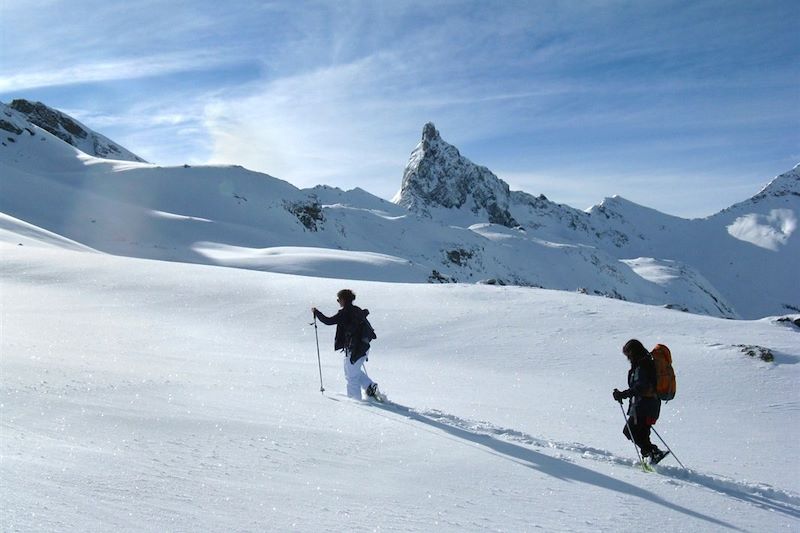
438, 176
430, 133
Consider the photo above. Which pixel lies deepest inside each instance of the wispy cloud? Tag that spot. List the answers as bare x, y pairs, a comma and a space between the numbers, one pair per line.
118, 69
488, 87
307, 128
337, 92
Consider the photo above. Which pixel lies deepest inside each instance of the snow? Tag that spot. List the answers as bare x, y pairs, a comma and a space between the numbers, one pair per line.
769, 232
12, 229
312, 261
141, 394
146, 384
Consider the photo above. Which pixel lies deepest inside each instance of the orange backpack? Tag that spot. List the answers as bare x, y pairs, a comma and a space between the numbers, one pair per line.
665, 374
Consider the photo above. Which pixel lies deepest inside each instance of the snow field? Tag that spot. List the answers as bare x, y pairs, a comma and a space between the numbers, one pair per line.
141, 394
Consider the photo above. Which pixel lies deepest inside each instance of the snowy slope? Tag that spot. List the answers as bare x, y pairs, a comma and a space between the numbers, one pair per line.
71, 131
749, 252
456, 222
141, 394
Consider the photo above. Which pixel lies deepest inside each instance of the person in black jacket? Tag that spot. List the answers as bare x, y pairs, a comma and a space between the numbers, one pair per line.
644, 406
348, 321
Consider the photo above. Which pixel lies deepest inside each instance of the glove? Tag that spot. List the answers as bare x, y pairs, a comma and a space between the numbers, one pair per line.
619, 395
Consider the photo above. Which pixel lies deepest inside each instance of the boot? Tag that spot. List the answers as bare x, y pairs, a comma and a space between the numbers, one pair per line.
656, 455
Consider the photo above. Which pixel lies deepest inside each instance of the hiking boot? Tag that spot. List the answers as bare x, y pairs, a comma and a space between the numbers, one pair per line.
372, 390
656, 456
375, 393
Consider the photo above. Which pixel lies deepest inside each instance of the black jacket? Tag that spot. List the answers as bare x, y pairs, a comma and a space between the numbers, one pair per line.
644, 405
346, 320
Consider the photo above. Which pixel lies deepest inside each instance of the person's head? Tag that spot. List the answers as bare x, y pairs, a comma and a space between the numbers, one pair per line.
345, 297
634, 350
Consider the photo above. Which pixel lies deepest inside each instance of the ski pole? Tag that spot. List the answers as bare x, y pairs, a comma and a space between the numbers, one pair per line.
668, 448
641, 461
319, 361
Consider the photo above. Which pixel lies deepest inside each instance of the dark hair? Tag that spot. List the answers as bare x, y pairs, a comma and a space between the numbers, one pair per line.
634, 350
346, 296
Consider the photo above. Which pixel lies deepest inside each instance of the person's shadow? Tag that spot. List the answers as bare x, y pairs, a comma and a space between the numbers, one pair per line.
551, 466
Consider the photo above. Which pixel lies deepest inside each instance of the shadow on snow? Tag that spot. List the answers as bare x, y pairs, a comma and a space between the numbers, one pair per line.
558, 468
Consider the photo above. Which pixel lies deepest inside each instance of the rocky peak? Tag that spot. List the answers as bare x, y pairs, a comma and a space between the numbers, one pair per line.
783, 188
430, 133
13, 122
787, 183
71, 131
438, 176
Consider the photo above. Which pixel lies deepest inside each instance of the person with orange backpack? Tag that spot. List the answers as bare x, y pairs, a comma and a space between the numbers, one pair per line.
645, 404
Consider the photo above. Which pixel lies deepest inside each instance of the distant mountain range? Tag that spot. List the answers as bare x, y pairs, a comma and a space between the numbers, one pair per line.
63, 184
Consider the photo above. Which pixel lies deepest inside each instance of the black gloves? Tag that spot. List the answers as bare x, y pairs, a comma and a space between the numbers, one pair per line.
619, 395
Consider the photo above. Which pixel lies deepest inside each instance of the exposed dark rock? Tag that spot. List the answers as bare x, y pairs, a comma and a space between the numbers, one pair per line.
70, 131
790, 320
8, 126
492, 281
310, 214
438, 277
50, 120
765, 354
676, 307
459, 256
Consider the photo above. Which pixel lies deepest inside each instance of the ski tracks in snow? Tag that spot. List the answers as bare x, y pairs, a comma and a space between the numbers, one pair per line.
758, 494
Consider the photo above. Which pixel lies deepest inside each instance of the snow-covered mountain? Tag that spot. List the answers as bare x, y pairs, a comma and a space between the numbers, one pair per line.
71, 131
453, 222
739, 262
438, 176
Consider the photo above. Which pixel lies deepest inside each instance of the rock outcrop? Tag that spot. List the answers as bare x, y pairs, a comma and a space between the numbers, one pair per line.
73, 132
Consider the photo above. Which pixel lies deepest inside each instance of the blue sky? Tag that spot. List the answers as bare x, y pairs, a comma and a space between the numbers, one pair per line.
686, 107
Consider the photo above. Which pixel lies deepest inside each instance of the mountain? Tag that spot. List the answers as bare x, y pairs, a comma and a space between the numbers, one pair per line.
453, 221
438, 176
743, 259
71, 131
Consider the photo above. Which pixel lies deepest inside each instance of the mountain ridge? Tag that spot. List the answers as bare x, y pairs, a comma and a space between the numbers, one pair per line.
489, 234
72, 132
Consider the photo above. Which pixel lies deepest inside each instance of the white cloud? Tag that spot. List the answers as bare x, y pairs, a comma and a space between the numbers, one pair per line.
590, 92
119, 69
344, 122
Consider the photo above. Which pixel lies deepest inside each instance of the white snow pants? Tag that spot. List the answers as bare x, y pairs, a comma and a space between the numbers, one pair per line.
356, 376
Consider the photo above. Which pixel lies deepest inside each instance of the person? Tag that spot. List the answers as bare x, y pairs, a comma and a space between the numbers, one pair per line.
347, 319
644, 406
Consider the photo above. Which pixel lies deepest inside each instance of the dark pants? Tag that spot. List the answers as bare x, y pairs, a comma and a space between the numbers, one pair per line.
641, 434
